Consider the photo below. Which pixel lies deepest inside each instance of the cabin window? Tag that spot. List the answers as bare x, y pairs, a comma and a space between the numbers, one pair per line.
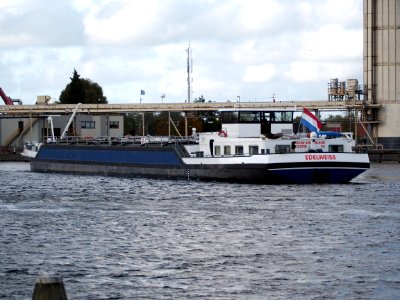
335, 148
230, 117
282, 149
114, 124
88, 124
264, 151
239, 150
253, 150
249, 117
227, 150
217, 150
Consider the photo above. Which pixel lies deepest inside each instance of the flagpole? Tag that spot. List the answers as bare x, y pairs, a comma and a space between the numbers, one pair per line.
143, 123
142, 92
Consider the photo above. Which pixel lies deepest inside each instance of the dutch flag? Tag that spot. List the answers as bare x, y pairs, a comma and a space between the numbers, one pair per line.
310, 121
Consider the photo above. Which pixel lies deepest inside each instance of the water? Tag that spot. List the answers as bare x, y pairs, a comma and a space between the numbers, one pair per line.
119, 238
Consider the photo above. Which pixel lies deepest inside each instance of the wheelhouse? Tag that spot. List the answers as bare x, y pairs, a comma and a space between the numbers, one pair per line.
253, 123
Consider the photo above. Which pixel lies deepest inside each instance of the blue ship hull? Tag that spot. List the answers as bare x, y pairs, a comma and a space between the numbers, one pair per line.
166, 162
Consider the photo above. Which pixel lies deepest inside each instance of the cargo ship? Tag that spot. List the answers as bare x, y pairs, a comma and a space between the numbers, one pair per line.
253, 146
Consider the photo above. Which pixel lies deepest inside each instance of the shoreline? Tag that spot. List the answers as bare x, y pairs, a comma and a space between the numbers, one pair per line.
12, 157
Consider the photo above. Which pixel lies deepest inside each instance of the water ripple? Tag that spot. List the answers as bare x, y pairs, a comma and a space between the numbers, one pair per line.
120, 238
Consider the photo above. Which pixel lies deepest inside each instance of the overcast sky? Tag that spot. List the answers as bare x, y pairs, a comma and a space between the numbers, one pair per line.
247, 48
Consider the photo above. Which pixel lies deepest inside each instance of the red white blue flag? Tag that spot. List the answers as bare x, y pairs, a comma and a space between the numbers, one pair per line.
310, 121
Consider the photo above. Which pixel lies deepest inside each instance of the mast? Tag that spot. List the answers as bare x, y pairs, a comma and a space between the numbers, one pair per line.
189, 71
189, 81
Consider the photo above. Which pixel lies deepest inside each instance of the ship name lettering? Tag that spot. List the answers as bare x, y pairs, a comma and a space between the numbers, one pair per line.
320, 157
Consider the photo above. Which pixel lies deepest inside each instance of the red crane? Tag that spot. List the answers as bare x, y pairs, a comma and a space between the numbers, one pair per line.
7, 100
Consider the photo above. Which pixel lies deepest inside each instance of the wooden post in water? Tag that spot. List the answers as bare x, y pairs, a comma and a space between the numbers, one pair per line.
49, 288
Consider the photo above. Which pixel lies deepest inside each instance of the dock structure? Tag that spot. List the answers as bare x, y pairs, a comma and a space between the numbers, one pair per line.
360, 108
34, 110
363, 108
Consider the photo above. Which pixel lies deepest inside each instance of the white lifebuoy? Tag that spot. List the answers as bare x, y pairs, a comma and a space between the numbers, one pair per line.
222, 133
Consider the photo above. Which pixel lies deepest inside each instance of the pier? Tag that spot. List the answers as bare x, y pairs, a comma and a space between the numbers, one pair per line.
380, 155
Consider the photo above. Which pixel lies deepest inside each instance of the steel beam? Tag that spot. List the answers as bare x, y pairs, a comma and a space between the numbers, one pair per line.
49, 109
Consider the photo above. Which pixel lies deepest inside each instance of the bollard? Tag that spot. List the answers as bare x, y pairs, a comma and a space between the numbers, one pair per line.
49, 288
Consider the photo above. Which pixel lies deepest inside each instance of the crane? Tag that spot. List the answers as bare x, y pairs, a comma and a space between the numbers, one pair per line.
7, 100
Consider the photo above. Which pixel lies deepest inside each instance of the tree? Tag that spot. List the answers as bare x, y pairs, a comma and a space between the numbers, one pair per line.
211, 120
131, 123
345, 121
81, 90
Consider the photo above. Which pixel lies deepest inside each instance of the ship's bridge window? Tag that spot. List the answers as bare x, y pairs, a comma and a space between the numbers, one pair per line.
283, 117
267, 116
233, 117
230, 117
249, 117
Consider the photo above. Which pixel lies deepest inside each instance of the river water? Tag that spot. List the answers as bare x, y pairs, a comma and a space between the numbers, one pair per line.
120, 238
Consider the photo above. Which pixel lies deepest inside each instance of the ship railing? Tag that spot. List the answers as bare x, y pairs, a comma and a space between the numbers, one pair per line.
143, 140
127, 140
70, 140
166, 140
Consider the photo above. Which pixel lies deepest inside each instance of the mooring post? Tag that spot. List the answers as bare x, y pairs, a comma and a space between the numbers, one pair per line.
49, 288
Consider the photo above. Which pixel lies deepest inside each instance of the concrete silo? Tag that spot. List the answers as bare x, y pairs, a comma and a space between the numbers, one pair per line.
382, 69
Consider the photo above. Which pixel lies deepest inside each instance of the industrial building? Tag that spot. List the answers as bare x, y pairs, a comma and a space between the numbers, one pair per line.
16, 131
382, 70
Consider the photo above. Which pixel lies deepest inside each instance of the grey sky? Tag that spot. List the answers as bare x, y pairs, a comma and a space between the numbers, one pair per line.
246, 48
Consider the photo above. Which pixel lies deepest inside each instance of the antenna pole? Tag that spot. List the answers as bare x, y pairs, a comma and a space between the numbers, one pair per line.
189, 71
189, 81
